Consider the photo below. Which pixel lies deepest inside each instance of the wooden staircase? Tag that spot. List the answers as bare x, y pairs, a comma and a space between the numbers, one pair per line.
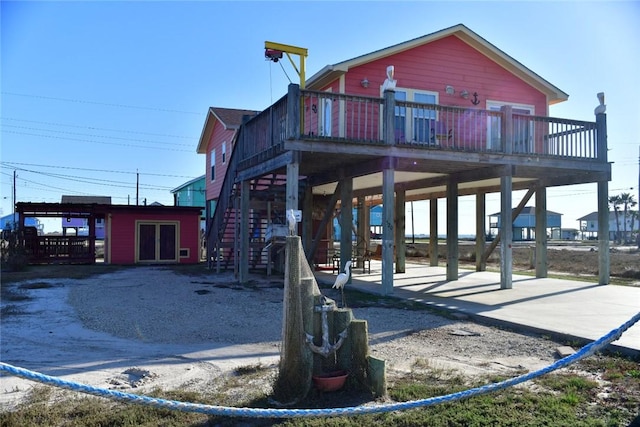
267, 201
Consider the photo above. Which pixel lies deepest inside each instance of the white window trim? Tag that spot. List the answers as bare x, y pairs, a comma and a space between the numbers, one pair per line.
495, 105
224, 152
499, 104
410, 98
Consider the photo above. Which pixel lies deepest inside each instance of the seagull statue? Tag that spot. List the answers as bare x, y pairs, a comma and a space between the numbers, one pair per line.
342, 280
291, 222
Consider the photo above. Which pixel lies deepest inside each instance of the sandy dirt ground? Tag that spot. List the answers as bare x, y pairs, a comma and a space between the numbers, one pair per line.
141, 328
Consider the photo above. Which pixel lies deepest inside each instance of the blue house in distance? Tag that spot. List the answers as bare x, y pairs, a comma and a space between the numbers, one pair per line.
375, 222
524, 226
6, 222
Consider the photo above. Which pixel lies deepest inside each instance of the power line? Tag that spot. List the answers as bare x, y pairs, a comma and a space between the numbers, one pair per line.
97, 128
96, 136
96, 181
81, 101
93, 141
8, 164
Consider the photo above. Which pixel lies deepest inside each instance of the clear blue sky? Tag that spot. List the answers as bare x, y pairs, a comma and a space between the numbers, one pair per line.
92, 92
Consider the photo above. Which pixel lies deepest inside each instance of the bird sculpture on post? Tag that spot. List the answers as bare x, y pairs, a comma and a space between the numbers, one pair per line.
291, 222
342, 280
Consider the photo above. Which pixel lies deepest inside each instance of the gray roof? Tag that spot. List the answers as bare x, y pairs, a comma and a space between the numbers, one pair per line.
528, 210
101, 200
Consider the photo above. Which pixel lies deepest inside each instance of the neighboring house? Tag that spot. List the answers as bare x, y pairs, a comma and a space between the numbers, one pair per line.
524, 226
79, 225
216, 141
192, 193
8, 222
133, 234
375, 221
569, 234
589, 225
440, 116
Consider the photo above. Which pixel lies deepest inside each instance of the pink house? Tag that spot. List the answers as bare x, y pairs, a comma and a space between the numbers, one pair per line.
437, 117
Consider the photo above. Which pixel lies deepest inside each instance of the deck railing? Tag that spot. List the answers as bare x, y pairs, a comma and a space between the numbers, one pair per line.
44, 249
341, 116
307, 115
265, 131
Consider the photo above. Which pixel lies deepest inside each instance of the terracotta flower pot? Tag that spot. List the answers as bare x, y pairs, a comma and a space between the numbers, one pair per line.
330, 381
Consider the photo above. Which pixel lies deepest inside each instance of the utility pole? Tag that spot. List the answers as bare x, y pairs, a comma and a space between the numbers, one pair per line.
137, 186
14, 200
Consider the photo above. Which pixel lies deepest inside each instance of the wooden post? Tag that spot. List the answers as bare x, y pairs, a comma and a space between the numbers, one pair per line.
506, 231
92, 237
377, 376
346, 222
307, 219
481, 239
433, 232
362, 237
400, 232
342, 318
244, 233
359, 337
452, 230
388, 184
604, 260
507, 129
293, 112
541, 231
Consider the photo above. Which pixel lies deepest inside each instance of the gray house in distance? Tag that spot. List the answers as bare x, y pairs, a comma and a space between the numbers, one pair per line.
524, 226
589, 224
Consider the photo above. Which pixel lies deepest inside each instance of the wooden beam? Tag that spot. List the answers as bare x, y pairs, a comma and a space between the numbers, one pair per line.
328, 214
433, 232
481, 264
271, 165
506, 229
516, 212
452, 231
541, 232
400, 231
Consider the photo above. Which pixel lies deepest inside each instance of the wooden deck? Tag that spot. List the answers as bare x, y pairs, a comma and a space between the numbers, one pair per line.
344, 147
475, 145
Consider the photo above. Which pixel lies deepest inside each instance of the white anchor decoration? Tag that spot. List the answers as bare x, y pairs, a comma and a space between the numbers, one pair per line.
326, 349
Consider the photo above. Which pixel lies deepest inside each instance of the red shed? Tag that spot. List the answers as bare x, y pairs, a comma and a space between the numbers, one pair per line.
152, 234
133, 234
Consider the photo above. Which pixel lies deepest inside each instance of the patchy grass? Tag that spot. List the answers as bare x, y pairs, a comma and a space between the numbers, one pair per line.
571, 397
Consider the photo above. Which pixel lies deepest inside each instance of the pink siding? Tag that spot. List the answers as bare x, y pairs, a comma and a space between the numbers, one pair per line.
448, 61
122, 236
218, 136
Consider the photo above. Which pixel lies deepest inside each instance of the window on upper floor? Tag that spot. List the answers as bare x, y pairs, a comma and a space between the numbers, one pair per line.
212, 160
522, 131
224, 152
414, 124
